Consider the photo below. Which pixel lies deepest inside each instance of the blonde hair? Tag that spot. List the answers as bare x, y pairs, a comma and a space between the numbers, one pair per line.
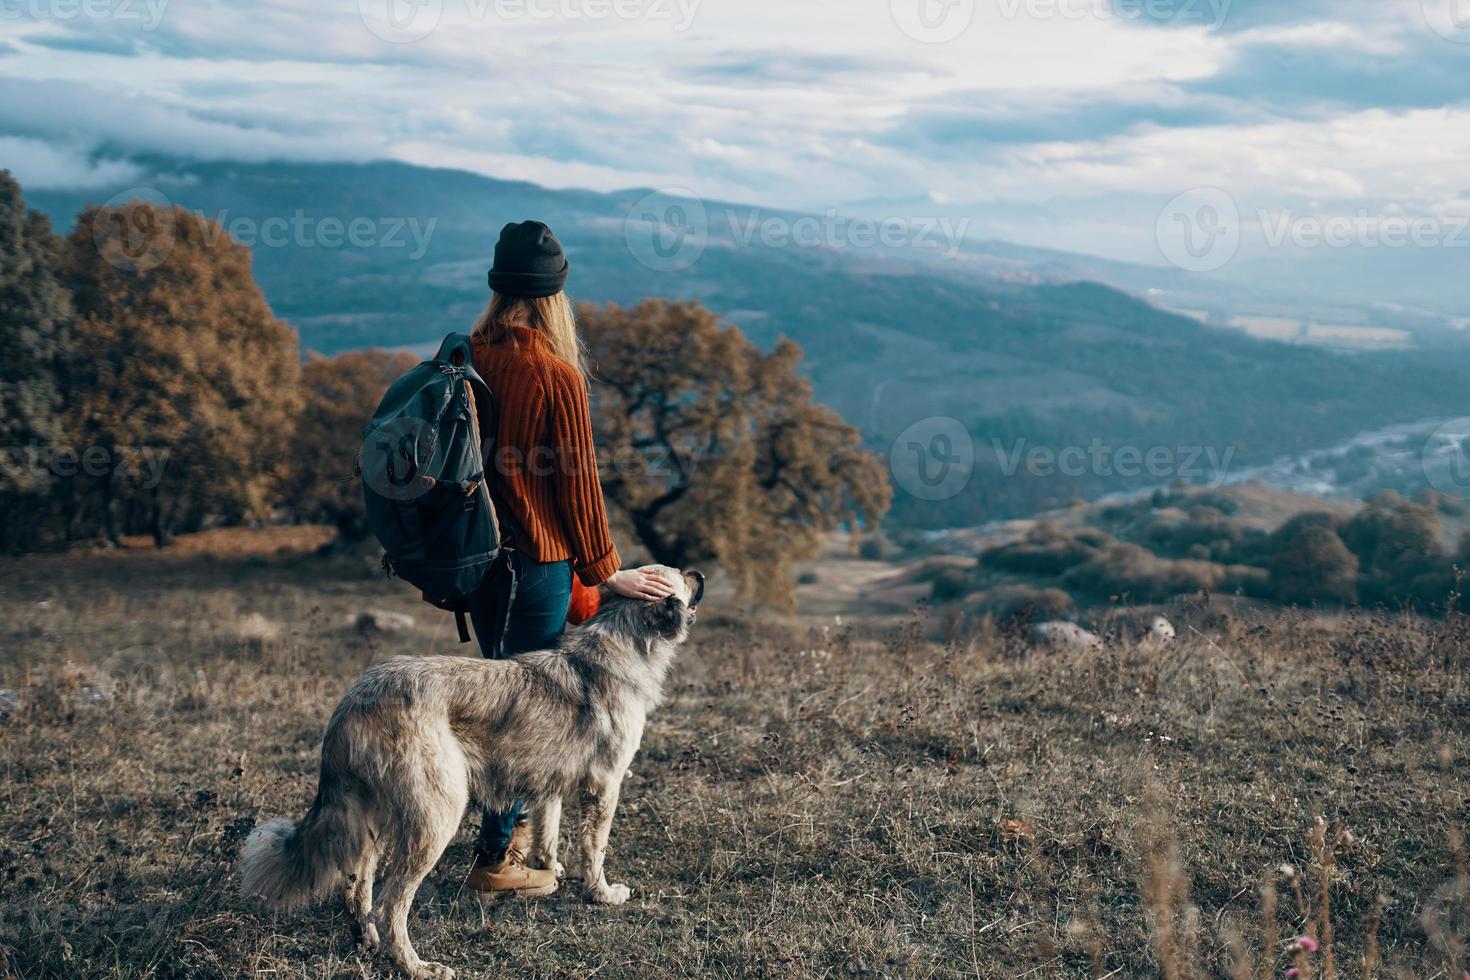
551, 316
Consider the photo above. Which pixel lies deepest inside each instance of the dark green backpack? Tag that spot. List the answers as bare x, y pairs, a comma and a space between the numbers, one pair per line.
424, 482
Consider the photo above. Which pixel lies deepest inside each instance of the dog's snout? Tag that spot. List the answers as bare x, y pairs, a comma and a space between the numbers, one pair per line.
698, 590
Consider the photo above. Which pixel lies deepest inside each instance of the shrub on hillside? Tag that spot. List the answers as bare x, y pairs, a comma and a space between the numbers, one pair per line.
1127, 569
1205, 533
1047, 550
878, 547
1247, 580
950, 584
1021, 601
1311, 564
1299, 522
1443, 503
906, 539
1188, 499
1393, 543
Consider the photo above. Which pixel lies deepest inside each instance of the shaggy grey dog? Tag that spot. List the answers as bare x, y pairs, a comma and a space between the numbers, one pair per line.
417, 738
1064, 636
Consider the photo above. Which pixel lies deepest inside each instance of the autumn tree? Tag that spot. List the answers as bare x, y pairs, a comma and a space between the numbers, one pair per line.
341, 394
712, 450
184, 381
35, 314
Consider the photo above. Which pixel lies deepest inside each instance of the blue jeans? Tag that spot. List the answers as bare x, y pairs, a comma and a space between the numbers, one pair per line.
538, 615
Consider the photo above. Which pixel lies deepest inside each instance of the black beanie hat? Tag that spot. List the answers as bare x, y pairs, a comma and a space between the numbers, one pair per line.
528, 261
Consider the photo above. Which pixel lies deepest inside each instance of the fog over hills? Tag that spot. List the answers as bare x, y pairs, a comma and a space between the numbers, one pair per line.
901, 324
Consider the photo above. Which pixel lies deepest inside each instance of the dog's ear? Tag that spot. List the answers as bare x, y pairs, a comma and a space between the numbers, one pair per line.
664, 615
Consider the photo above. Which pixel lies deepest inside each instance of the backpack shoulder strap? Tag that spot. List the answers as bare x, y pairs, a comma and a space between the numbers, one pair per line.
455, 350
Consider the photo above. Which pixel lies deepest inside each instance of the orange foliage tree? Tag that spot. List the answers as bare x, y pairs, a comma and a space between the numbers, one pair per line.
712, 450
183, 384
342, 393
35, 318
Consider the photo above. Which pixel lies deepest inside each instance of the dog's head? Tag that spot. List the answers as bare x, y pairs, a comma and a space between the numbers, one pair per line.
672, 617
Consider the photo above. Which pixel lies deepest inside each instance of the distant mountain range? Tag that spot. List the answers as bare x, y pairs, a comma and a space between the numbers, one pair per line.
1379, 280
899, 325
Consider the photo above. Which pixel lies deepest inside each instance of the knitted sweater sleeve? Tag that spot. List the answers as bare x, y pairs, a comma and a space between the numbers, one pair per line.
578, 490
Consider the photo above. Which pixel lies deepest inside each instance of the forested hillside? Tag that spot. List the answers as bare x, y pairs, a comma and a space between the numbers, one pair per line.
1019, 366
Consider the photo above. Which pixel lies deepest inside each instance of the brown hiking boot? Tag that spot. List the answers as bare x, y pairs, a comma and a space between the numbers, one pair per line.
510, 878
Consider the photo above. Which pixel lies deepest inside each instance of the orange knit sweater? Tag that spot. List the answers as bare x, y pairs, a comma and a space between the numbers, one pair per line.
543, 467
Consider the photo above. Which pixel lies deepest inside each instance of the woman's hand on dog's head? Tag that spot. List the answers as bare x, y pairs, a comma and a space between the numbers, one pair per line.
641, 583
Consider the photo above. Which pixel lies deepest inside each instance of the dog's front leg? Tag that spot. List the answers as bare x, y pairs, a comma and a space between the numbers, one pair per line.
598, 803
546, 836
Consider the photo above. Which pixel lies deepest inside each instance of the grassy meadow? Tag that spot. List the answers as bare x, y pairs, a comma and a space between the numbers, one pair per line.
818, 797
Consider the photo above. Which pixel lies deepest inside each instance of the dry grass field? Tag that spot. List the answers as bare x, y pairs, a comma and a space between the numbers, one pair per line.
814, 798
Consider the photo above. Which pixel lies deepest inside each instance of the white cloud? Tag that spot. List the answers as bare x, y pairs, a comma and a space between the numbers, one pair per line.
42, 165
781, 103
1326, 34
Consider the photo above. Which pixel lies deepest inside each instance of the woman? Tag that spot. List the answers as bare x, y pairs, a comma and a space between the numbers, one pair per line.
547, 495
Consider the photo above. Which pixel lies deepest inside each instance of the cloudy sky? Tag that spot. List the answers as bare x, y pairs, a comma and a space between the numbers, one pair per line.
1055, 121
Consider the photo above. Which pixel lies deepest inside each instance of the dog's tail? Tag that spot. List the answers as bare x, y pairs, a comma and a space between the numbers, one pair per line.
290, 864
